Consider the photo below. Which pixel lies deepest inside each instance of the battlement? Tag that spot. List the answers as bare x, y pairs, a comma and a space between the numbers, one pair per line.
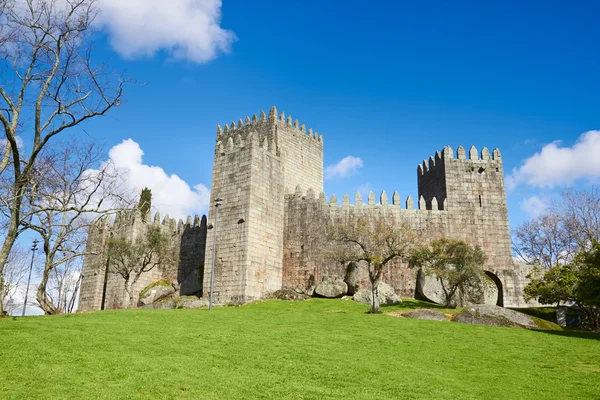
383, 201
264, 126
127, 218
448, 154
234, 141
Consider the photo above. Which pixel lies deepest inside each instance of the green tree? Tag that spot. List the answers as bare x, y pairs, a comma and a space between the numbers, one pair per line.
575, 283
373, 241
145, 202
131, 258
455, 264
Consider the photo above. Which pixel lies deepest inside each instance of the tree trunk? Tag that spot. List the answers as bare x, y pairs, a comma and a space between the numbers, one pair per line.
375, 297
7, 246
42, 297
130, 296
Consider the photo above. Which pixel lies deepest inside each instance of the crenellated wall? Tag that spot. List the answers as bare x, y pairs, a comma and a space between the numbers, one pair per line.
458, 198
271, 230
102, 289
307, 217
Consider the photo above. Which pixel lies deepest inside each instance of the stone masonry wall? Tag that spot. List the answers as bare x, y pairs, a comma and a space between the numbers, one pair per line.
102, 289
272, 224
254, 162
305, 247
465, 200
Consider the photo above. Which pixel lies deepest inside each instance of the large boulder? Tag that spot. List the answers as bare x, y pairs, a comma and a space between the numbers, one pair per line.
191, 302
486, 314
386, 294
331, 288
425, 313
155, 291
286, 295
430, 289
352, 278
164, 304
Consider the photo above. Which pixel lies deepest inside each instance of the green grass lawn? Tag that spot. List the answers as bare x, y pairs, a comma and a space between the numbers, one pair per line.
318, 349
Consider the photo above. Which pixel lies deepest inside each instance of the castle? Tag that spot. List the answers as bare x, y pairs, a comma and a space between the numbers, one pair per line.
269, 172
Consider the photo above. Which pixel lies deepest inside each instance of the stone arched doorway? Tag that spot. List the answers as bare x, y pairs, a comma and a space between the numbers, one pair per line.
498, 291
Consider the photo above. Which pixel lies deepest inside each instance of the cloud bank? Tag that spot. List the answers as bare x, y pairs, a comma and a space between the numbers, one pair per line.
557, 166
186, 29
170, 194
346, 167
534, 206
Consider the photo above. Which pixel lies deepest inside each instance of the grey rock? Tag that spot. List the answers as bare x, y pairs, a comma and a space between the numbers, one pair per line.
430, 289
490, 315
352, 278
188, 302
161, 305
331, 288
386, 294
286, 295
158, 292
425, 313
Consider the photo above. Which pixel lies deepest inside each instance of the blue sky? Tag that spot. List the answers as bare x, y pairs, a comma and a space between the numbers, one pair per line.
388, 82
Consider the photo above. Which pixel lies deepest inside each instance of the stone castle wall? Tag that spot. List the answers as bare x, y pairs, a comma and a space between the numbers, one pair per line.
268, 171
102, 290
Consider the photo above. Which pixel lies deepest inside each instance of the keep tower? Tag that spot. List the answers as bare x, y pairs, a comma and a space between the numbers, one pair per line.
257, 162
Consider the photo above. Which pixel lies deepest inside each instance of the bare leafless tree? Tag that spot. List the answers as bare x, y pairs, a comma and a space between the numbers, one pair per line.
374, 241
570, 226
544, 241
63, 285
49, 83
580, 213
66, 196
14, 278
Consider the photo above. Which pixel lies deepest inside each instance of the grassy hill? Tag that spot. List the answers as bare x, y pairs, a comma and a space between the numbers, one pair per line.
318, 349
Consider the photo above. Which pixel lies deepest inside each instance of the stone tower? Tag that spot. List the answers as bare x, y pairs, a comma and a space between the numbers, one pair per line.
471, 188
256, 162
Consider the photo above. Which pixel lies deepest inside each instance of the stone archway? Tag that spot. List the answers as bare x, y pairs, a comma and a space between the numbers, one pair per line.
498, 290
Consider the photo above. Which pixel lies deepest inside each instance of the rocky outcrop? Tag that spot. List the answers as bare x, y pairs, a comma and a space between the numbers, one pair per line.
425, 313
352, 278
286, 295
331, 288
430, 289
494, 316
191, 302
155, 292
161, 305
386, 294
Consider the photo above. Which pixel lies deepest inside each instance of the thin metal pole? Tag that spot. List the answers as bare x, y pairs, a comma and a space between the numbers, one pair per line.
214, 255
33, 249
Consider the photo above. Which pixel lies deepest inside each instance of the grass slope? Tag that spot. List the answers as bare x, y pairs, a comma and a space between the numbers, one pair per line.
318, 349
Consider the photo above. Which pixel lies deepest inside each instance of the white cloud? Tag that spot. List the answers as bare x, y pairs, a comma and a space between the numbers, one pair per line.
534, 206
17, 139
187, 29
558, 166
170, 194
346, 167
